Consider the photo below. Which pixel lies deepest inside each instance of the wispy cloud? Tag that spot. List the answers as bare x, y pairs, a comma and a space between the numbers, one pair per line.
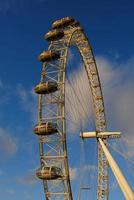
28, 100
8, 144
28, 179
10, 191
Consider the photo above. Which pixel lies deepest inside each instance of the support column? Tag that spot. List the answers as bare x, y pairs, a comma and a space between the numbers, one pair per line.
126, 189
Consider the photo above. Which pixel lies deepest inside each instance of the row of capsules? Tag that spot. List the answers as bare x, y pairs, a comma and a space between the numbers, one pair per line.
44, 88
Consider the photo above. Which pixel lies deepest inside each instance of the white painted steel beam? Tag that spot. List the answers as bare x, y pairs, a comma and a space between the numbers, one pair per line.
100, 134
126, 189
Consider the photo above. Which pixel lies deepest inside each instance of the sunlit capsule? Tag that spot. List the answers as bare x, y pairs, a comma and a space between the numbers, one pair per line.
66, 21
49, 173
46, 87
48, 56
47, 128
54, 34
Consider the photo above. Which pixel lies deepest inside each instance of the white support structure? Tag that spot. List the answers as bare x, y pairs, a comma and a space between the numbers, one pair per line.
126, 189
100, 134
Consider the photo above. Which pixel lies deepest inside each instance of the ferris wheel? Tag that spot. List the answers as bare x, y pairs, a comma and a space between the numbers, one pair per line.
51, 126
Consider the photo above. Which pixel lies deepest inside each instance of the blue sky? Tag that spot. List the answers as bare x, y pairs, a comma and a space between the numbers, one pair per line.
109, 26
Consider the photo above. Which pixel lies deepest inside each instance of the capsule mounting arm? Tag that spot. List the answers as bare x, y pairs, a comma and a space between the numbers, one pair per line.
100, 134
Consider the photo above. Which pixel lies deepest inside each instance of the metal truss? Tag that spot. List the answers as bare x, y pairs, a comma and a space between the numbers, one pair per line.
51, 108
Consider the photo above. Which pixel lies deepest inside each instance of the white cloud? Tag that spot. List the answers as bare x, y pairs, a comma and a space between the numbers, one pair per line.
109, 72
8, 144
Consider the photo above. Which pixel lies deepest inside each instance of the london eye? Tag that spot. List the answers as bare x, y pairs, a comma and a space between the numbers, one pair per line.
51, 125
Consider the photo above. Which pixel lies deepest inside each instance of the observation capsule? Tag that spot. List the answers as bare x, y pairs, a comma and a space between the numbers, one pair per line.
54, 34
66, 21
46, 56
47, 128
46, 87
49, 173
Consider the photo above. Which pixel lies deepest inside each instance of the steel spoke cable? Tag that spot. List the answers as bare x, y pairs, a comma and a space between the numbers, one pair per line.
85, 105
76, 114
79, 90
78, 99
74, 90
73, 122
72, 106
78, 102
